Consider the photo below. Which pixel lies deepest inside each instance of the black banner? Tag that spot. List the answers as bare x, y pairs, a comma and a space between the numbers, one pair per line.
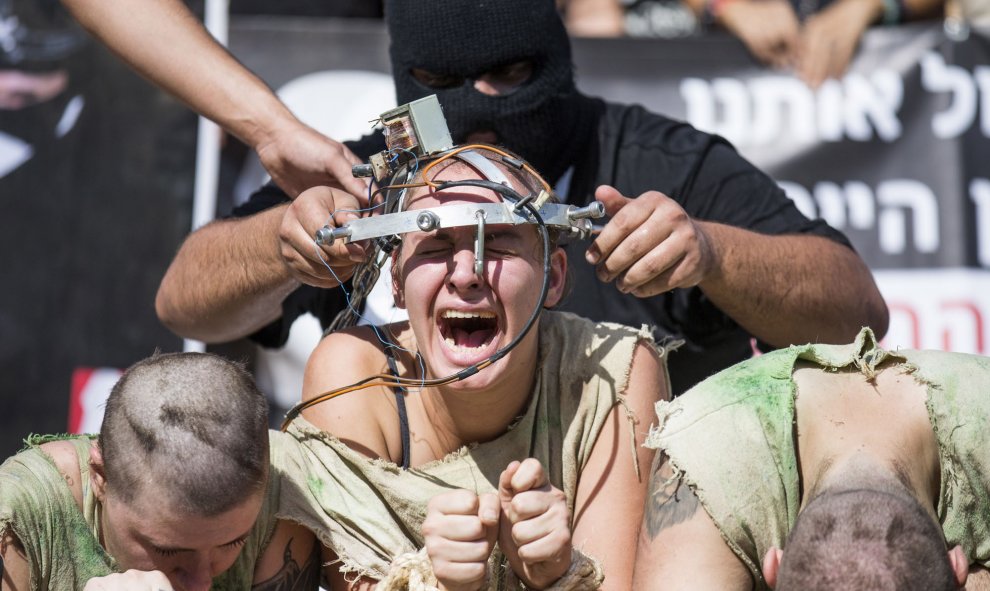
96, 177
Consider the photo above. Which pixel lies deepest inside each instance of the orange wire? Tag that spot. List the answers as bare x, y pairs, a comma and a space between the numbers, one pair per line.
456, 151
383, 380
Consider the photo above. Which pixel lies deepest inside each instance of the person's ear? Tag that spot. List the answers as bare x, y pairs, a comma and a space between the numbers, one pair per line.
97, 472
558, 277
771, 565
960, 565
397, 294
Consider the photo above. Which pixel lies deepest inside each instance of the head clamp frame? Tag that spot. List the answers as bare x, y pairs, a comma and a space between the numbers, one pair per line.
418, 142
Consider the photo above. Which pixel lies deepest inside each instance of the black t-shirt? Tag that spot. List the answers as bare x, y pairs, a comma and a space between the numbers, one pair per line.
635, 151
638, 151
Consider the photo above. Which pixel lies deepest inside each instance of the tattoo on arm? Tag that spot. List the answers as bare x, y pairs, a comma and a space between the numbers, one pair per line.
669, 501
292, 577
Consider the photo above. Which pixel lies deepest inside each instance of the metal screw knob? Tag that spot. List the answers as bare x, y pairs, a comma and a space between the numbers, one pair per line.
427, 221
324, 235
327, 235
595, 209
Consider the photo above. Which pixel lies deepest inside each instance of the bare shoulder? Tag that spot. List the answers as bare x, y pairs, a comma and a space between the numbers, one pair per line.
364, 419
346, 356
647, 376
342, 358
66, 459
648, 384
291, 560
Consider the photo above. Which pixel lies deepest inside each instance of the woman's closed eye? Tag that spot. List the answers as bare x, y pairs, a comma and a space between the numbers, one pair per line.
502, 244
432, 247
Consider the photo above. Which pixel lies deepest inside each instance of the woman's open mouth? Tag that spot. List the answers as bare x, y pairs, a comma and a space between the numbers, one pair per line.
468, 331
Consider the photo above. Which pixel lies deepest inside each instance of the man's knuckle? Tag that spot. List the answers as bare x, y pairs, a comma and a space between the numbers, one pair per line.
623, 224
677, 215
652, 266
637, 241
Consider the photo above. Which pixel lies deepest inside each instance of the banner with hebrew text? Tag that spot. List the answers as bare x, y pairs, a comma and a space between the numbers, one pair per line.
896, 154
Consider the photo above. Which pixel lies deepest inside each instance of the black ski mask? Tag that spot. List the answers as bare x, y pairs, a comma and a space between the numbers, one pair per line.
545, 120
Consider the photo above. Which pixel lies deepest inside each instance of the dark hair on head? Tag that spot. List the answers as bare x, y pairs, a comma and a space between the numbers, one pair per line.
193, 425
865, 539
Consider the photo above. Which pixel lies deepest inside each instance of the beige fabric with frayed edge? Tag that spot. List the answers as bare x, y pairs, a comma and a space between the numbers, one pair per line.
370, 511
731, 439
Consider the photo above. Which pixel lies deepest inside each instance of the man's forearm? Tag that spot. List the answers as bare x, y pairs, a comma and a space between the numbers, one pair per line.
166, 43
792, 289
227, 280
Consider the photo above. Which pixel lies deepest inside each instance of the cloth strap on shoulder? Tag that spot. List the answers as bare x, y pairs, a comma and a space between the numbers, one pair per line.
400, 403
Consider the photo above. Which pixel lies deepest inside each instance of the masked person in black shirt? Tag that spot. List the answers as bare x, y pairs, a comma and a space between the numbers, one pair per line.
700, 244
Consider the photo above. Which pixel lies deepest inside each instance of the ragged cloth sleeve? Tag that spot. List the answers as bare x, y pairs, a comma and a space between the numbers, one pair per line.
37, 505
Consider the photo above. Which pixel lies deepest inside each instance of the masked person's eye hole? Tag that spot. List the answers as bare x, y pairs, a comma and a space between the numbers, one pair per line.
434, 80
509, 76
496, 81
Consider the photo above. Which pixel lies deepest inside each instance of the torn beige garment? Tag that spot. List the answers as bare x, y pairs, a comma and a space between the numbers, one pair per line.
371, 511
62, 543
959, 409
731, 439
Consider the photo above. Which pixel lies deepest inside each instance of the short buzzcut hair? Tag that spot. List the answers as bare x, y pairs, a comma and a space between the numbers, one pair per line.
194, 425
865, 539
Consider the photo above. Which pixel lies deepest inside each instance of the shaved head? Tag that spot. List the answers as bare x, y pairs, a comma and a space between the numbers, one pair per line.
192, 425
865, 539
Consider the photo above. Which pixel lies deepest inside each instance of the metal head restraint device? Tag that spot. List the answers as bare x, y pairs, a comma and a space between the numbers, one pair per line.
418, 141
